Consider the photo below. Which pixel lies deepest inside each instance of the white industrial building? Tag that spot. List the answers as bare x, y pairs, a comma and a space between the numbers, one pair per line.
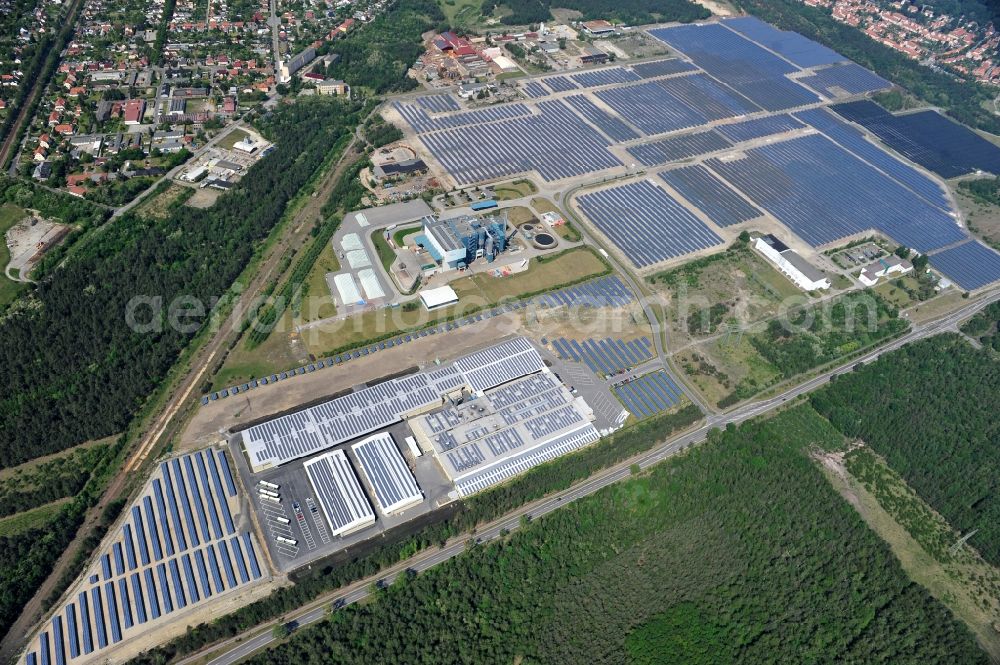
439, 297
790, 264
394, 485
344, 502
892, 265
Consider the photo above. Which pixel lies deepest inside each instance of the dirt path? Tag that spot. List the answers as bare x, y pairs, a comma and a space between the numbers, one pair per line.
294, 236
944, 581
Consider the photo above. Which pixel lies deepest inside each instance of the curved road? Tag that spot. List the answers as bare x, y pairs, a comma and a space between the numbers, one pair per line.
243, 646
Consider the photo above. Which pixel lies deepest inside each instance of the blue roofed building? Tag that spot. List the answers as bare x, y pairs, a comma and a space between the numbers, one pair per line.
457, 242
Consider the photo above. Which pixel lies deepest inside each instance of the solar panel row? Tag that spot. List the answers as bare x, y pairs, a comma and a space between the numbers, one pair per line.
824, 193
972, 265
657, 68
534, 89
559, 83
748, 130
649, 394
850, 138
676, 148
713, 197
646, 223
421, 122
439, 103
602, 292
128, 596
609, 76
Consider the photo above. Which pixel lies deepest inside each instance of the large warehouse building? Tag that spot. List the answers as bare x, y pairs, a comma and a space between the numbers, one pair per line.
457, 242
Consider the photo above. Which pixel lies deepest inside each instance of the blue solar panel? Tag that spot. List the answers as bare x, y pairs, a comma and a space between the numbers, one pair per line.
126, 602
971, 265
153, 594
851, 139
129, 547
845, 80
140, 600
226, 473
792, 46
43, 642
252, 556
140, 534
754, 129
154, 533
676, 148
438, 103
702, 188
217, 482
534, 89
648, 70
238, 555
57, 640
646, 223
824, 194
106, 566
199, 560
74, 631
97, 609
88, 642
927, 138
178, 530
192, 482
227, 564
612, 126
192, 588
422, 122
150, 593
213, 564
206, 489
180, 600
116, 550
116, 629
164, 590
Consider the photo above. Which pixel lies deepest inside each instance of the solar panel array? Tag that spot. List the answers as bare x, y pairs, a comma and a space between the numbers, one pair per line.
500, 363
792, 46
646, 223
676, 148
559, 83
972, 265
665, 105
649, 394
422, 122
610, 76
657, 68
745, 67
713, 197
606, 356
611, 125
438, 103
850, 138
824, 193
178, 547
927, 138
534, 89
844, 80
759, 127
343, 501
386, 470
517, 464
556, 143
602, 292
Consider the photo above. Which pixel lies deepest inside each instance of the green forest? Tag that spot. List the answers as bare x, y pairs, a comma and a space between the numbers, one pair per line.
965, 101
930, 409
738, 551
73, 369
637, 12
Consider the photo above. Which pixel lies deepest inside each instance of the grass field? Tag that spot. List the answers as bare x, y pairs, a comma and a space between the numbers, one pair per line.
157, 206
514, 190
274, 354
232, 138
321, 304
9, 216
461, 13
35, 518
400, 235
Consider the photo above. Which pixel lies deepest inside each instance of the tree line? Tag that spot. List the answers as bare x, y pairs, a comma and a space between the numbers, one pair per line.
739, 551
635, 12
75, 370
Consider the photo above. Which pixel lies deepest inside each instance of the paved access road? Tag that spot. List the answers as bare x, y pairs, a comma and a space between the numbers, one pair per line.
238, 648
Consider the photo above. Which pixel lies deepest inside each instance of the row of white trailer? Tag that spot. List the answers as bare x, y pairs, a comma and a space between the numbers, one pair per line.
269, 492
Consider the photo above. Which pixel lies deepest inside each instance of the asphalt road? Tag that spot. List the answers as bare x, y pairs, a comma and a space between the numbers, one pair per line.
240, 648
